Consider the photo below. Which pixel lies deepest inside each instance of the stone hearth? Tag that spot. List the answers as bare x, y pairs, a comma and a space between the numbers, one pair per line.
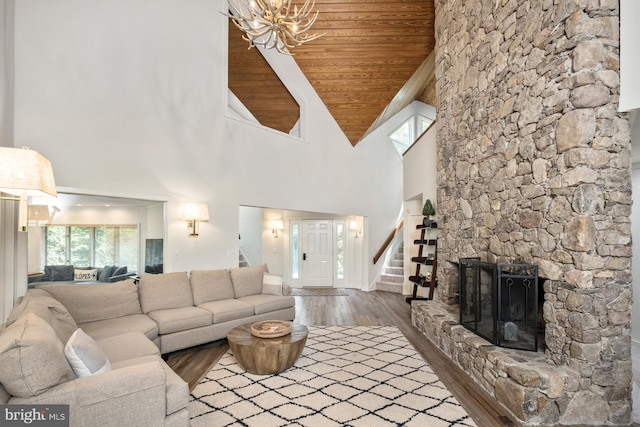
534, 166
522, 381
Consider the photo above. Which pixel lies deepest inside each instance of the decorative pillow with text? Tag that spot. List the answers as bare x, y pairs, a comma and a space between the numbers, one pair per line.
85, 275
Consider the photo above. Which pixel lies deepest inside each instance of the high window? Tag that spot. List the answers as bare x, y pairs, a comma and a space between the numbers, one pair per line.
407, 133
85, 246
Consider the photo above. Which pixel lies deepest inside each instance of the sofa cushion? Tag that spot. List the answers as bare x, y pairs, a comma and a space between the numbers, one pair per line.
267, 303
128, 345
31, 357
228, 309
160, 291
211, 285
179, 319
48, 309
57, 273
247, 280
85, 355
110, 327
177, 389
90, 303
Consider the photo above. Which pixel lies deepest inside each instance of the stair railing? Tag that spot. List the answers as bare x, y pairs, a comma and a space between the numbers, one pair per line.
387, 242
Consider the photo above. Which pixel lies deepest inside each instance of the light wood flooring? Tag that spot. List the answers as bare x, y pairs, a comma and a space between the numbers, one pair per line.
360, 308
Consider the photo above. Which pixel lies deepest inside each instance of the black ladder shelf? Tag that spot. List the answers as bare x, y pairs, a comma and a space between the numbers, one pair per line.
431, 259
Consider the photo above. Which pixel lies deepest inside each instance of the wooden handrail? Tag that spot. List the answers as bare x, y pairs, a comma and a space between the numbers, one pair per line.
387, 242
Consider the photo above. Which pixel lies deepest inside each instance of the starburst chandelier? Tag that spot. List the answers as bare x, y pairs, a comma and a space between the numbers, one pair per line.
272, 23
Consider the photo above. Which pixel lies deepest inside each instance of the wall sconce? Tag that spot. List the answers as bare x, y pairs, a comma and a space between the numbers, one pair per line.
275, 226
25, 173
355, 227
192, 213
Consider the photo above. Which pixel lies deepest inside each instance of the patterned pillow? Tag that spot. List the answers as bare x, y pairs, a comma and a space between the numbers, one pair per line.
85, 275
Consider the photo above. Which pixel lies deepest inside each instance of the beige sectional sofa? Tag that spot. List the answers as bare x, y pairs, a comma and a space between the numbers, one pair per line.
130, 326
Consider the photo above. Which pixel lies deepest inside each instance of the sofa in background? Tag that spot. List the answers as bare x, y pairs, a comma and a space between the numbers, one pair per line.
127, 328
67, 274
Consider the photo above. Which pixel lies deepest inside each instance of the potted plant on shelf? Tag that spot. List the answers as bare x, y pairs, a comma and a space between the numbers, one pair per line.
428, 209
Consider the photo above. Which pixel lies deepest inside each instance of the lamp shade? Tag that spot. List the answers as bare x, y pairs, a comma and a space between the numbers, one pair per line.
39, 213
25, 172
190, 211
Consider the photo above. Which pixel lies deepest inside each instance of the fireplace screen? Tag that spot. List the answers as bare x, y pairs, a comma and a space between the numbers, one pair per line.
499, 302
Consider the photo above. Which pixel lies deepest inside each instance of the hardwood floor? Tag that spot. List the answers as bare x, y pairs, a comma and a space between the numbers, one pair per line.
360, 308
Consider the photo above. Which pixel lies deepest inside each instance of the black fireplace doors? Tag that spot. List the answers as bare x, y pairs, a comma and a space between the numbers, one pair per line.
499, 302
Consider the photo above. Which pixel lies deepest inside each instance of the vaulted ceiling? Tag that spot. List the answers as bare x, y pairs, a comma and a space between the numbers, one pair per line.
374, 55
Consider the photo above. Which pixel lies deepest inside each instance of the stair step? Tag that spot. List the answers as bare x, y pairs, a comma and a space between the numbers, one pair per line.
399, 271
394, 271
389, 287
392, 278
396, 263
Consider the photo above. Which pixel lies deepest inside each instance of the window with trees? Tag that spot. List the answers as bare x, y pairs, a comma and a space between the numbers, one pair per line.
83, 246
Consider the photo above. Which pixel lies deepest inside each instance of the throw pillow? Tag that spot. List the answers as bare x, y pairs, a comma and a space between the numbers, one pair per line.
59, 273
85, 355
85, 275
106, 272
120, 270
272, 284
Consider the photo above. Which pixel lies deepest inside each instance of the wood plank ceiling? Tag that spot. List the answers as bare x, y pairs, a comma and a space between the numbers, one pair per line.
257, 86
369, 50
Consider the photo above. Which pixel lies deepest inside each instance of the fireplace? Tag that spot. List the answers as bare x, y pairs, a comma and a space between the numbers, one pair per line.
499, 302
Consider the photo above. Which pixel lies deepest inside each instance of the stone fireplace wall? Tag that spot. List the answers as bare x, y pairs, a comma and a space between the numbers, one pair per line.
534, 166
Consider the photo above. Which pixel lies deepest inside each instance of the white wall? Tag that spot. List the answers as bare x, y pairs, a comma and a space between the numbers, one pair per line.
629, 58
9, 239
420, 184
155, 222
635, 235
419, 169
129, 97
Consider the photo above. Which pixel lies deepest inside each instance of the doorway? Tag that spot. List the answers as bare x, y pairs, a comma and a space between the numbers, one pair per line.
317, 253
334, 246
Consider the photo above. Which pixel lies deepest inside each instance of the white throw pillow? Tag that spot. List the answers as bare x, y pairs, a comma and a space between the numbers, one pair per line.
85, 355
85, 275
272, 284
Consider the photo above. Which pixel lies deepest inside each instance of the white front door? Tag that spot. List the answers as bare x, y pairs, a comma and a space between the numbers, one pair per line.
317, 253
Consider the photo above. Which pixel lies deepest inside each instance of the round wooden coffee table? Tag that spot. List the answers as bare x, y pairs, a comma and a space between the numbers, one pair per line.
263, 356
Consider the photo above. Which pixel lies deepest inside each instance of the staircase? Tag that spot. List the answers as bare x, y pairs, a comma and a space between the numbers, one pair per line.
392, 278
242, 260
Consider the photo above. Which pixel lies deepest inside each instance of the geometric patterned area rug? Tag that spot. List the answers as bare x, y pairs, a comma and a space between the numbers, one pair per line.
318, 292
345, 376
